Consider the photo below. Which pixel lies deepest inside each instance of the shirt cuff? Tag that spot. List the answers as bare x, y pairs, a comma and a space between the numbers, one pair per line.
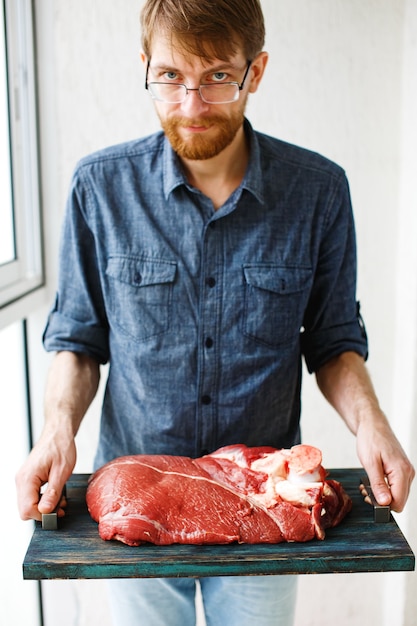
63, 333
320, 346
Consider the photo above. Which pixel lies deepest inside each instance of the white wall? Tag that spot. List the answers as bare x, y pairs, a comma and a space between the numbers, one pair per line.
341, 81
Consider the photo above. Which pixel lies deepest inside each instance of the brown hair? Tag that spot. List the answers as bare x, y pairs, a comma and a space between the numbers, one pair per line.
206, 28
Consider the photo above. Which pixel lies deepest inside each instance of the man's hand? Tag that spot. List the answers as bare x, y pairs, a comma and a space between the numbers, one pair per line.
50, 463
389, 470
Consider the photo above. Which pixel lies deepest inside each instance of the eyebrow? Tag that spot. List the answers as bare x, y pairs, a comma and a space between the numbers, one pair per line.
162, 67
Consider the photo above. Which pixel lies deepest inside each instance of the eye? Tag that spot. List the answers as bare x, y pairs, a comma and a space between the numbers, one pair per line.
218, 77
171, 75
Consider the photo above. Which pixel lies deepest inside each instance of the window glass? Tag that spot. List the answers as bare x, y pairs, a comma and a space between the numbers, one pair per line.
21, 270
7, 248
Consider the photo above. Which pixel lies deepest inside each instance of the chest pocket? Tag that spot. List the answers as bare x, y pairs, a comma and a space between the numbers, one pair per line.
140, 295
274, 304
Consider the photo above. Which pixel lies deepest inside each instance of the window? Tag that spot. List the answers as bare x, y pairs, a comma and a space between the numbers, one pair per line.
6, 231
20, 227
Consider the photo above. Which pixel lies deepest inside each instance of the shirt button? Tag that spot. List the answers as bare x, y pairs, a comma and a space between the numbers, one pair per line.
209, 342
206, 400
211, 282
138, 278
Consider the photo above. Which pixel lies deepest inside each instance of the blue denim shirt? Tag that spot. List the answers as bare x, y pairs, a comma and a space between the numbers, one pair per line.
204, 315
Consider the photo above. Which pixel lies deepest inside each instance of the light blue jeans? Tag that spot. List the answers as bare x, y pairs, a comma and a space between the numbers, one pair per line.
228, 601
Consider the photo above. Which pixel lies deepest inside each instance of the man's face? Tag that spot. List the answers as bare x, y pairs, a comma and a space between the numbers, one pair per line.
197, 130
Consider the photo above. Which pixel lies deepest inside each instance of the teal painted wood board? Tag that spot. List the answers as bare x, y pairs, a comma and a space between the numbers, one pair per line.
76, 550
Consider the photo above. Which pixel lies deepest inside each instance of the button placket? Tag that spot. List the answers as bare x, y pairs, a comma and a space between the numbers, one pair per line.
209, 323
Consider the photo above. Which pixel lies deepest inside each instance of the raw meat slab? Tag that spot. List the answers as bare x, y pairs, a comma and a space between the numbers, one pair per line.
236, 494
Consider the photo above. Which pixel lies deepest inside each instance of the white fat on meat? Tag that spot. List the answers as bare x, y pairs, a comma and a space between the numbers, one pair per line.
302, 479
236, 454
295, 475
273, 463
306, 494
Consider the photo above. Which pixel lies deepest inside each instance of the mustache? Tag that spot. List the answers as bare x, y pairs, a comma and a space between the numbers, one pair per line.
205, 122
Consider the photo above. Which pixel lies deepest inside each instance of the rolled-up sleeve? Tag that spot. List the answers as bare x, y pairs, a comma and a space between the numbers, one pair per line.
333, 323
77, 321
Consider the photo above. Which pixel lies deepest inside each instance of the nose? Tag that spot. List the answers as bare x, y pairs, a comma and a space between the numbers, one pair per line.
193, 103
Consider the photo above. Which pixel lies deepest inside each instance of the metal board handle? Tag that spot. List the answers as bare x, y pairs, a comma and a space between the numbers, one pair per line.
382, 513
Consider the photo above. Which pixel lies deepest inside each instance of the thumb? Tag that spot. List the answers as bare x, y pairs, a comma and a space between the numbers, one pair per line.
51, 497
380, 488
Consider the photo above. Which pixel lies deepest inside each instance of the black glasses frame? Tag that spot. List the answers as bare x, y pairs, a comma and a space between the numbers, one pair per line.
239, 85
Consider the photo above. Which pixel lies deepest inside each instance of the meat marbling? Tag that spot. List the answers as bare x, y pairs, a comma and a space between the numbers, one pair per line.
236, 494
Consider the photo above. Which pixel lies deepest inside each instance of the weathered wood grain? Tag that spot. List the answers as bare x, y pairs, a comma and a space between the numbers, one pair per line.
75, 550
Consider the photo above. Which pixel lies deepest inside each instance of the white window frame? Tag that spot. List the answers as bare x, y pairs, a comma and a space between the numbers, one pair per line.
24, 274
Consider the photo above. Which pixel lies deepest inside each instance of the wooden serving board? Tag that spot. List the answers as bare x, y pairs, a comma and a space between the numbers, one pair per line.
75, 550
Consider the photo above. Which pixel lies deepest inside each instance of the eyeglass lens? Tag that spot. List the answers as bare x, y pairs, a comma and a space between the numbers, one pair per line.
212, 94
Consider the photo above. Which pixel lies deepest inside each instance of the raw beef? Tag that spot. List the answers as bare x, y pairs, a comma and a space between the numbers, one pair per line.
236, 494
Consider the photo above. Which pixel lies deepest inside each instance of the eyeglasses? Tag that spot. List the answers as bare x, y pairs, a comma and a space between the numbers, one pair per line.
212, 93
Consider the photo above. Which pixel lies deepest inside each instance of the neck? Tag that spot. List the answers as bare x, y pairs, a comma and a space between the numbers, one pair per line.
219, 176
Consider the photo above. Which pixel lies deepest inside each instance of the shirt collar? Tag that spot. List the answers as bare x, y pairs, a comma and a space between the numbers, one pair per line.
252, 182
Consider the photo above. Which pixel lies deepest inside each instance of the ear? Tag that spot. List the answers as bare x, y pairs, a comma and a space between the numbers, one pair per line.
143, 58
257, 70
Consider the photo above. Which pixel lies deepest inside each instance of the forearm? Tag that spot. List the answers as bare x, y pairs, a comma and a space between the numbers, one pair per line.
346, 384
71, 386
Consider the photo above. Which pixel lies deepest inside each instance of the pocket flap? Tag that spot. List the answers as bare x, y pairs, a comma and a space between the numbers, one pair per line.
141, 272
277, 278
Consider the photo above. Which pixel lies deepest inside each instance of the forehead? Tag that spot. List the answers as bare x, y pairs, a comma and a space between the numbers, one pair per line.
167, 51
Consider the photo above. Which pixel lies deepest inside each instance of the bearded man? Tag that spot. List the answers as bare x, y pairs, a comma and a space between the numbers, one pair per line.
203, 263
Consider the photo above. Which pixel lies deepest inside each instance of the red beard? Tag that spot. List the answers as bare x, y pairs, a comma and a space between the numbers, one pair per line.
197, 146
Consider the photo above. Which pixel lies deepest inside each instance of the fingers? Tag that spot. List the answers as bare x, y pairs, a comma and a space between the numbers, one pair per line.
364, 493
380, 488
32, 504
392, 490
389, 470
49, 473
51, 500
28, 489
48, 466
400, 485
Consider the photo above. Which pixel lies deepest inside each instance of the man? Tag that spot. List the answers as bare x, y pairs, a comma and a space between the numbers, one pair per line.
203, 262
